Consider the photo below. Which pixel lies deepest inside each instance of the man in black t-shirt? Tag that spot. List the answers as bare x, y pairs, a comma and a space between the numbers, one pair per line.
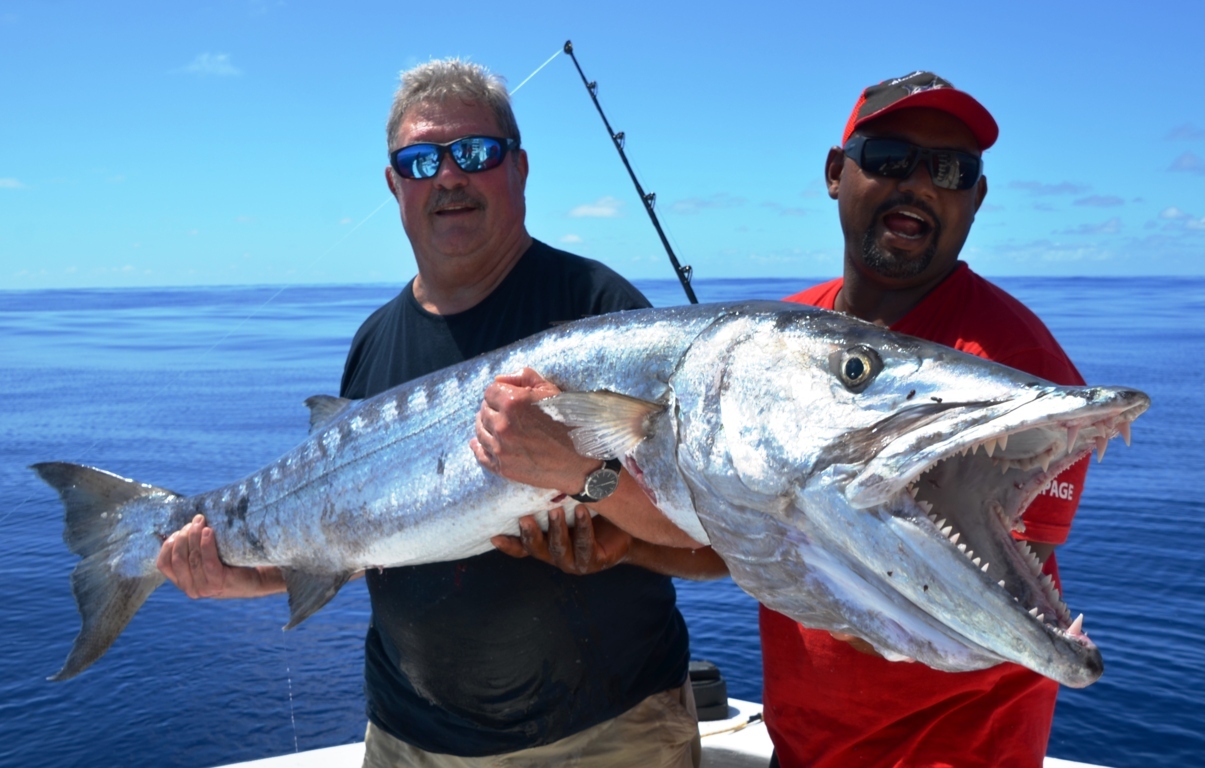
582, 655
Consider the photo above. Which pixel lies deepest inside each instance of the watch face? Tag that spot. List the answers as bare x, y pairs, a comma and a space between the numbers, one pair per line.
601, 483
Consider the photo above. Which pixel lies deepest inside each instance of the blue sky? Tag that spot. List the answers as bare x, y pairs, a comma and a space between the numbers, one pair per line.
242, 141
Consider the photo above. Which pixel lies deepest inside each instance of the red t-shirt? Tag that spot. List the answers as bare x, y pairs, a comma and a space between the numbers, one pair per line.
830, 706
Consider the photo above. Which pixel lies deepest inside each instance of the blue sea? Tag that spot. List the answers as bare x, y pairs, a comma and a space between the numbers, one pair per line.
191, 388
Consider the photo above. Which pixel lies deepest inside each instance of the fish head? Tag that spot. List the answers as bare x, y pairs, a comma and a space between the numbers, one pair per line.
889, 474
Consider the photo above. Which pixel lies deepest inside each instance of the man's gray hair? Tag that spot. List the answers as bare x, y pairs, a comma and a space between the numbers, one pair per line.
442, 79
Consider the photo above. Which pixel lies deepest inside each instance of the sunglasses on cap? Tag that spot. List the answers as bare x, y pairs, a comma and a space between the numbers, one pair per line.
895, 159
473, 154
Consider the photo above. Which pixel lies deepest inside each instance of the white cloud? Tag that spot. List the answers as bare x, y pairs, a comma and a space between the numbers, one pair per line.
1188, 162
11, 184
346, 220
1043, 189
695, 204
1110, 227
571, 238
213, 64
1100, 201
1172, 213
603, 208
1186, 132
784, 210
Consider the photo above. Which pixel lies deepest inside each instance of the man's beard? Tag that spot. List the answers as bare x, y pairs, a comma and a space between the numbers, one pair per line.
888, 264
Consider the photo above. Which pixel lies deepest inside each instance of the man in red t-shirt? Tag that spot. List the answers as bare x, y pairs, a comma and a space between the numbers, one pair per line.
908, 182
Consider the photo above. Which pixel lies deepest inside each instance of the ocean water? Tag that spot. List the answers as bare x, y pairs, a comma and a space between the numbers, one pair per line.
191, 388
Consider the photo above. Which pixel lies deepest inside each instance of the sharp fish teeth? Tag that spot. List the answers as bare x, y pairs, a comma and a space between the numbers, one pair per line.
977, 561
1000, 583
942, 524
984, 568
1003, 440
1072, 436
1101, 444
1124, 429
1077, 626
946, 531
962, 548
989, 447
1033, 612
1046, 461
954, 539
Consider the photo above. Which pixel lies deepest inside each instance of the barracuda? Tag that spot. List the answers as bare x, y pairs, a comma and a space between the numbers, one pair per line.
854, 479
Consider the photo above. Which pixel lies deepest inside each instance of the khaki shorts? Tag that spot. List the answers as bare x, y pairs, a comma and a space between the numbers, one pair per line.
660, 732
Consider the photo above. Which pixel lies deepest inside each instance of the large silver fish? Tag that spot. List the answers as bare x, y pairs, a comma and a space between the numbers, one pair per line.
852, 478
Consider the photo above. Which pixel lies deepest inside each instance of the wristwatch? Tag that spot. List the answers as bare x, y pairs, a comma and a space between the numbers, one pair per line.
600, 483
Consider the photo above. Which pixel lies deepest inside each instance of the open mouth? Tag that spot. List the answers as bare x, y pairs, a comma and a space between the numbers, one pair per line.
907, 224
972, 485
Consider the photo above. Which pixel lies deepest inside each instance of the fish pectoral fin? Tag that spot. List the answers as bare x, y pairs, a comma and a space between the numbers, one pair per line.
324, 409
606, 424
309, 591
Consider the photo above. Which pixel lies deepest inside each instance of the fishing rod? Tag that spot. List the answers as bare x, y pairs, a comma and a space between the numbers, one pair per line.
684, 273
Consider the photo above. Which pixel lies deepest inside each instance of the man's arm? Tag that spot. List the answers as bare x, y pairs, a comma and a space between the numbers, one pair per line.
520, 442
189, 559
597, 544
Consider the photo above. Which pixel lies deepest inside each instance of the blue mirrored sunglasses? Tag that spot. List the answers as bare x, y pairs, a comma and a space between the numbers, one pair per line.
473, 154
895, 159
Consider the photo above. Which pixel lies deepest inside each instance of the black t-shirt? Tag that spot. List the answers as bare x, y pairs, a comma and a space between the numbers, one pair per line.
492, 654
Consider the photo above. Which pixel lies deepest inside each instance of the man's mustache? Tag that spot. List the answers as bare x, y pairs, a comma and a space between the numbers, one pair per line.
443, 198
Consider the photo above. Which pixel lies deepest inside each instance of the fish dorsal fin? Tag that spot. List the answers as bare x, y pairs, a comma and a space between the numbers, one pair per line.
324, 409
309, 591
606, 424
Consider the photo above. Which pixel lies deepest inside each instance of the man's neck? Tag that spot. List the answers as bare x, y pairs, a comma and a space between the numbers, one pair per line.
867, 298
448, 287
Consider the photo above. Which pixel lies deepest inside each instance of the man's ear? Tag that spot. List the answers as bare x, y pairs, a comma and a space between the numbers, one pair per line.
833, 165
521, 163
980, 192
391, 180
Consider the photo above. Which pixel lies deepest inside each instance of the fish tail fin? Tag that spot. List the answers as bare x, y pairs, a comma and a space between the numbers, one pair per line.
117, 548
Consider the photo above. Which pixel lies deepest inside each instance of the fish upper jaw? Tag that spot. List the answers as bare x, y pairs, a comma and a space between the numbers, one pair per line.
1049, 427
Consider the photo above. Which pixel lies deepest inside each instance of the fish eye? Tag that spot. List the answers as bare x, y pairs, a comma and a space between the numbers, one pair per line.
856, 367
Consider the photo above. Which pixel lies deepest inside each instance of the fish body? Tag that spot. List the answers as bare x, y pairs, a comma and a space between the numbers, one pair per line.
822, 458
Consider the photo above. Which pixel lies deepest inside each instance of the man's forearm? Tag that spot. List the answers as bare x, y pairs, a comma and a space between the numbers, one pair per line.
701, 564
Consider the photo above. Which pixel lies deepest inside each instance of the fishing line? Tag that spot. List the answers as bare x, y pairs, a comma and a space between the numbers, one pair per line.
533, 74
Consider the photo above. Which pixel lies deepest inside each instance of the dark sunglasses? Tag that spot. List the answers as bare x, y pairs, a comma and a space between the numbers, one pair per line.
473, 154
895, 159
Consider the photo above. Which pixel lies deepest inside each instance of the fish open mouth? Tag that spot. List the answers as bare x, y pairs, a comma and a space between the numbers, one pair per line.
967, 472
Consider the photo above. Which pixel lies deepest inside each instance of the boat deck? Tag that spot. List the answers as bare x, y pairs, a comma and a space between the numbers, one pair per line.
741, 741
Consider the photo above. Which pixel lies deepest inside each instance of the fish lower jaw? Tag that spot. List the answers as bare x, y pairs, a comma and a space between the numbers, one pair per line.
1042, 599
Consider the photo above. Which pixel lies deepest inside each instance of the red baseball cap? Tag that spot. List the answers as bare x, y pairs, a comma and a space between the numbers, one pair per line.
923, 89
